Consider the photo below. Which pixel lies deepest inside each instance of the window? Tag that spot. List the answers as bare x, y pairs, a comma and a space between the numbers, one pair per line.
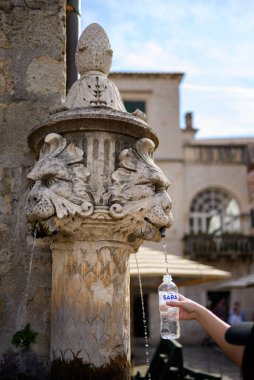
214, 212
132, 105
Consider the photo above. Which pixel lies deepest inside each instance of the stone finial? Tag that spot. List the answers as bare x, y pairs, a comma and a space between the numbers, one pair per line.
94, 51
94, 89
93, 61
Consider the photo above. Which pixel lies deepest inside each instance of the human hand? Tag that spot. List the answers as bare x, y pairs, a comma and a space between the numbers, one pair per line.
187, 308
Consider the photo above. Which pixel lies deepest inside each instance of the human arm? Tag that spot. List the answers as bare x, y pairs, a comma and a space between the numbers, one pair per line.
214, 326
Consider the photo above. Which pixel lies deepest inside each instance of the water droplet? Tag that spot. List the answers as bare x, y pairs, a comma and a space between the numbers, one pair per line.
165, 253
144, 320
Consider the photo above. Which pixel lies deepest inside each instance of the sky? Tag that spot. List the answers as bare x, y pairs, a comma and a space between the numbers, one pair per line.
210, 41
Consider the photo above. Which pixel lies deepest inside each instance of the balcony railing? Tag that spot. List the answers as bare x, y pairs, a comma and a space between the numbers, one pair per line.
208, 246
215, 154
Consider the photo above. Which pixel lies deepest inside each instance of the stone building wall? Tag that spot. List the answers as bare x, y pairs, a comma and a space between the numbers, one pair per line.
161, 94
160, 91
32, 79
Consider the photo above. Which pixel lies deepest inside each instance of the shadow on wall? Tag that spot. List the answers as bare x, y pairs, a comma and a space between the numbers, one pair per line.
23, 364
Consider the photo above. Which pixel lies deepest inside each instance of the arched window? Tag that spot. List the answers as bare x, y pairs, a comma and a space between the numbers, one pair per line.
214, 212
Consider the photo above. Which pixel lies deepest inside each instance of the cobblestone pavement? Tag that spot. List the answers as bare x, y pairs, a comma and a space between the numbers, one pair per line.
208, 359
211, 360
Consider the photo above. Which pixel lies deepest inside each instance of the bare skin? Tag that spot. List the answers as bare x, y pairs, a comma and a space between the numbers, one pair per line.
214, 326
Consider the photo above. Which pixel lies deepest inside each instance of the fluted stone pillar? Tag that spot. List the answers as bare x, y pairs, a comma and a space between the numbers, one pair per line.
97, 194
90, 305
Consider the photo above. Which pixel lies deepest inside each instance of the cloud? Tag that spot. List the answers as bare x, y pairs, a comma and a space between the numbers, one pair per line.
234, 90
210, 41
221, 111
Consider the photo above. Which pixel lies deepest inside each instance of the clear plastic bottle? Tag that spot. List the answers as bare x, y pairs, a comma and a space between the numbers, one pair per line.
170, 326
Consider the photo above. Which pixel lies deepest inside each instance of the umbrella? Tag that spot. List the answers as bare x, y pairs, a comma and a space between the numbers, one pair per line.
240, 283
151, 263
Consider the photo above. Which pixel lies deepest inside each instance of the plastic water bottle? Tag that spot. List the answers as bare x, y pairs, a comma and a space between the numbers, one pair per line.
170, 326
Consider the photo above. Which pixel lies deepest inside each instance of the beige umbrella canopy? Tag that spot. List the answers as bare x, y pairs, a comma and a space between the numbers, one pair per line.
151, 263
239, 283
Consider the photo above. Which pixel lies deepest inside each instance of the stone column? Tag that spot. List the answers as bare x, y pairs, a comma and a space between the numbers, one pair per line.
90, 308
97, 194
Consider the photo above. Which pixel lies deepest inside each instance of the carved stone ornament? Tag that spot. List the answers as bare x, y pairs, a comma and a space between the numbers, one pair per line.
59, 182
137, 197
94, 89
138, 193
90, 285
100, 205
93, 61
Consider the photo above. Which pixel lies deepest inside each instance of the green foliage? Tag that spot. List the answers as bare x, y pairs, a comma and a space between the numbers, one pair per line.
25, 337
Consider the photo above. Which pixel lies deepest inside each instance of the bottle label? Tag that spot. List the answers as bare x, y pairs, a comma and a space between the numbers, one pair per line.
166, 297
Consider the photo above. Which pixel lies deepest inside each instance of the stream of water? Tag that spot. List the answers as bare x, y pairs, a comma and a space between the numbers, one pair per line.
147, 353
21, 319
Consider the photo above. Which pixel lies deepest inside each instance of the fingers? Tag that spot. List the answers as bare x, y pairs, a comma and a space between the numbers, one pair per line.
174, 303
178, 302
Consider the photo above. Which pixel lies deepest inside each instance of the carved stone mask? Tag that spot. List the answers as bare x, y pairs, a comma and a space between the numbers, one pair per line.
59, 182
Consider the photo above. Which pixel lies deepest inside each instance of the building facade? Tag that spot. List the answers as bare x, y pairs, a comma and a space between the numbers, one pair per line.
211, 193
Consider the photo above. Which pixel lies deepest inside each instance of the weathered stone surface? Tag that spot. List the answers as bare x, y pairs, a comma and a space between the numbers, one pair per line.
15, 258
90, 288
29, 30
94, 51
93, 61
6, 79
124, 127
23, 364
24, 32
13, 145
46, 75
59, 182
4, 42
97, 209
63, 190
94, 90
138, 192
4, 37
9, 192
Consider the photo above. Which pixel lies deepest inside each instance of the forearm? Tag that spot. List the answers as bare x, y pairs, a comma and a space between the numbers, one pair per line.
217, 328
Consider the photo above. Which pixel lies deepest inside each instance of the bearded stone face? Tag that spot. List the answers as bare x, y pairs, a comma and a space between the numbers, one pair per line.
50, 180
58, 183
160, 215
139, 190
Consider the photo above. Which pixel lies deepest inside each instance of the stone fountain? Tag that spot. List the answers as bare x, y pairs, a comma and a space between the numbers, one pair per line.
97, 194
